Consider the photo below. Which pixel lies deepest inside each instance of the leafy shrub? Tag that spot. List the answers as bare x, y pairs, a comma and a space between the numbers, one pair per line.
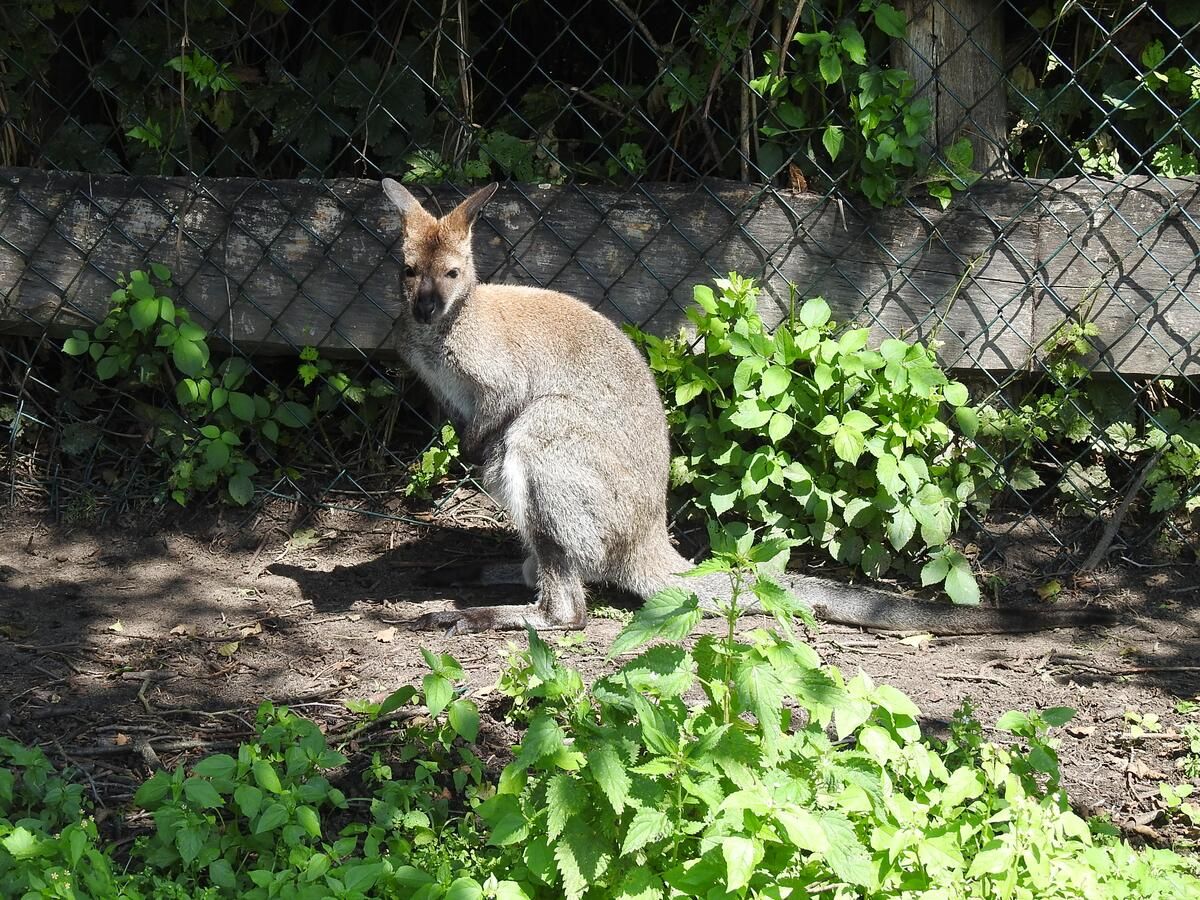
816, 437
1088, 431
833, 84
47, 847
211, 424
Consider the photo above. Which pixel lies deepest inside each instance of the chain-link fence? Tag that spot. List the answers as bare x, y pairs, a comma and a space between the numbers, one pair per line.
1016, 180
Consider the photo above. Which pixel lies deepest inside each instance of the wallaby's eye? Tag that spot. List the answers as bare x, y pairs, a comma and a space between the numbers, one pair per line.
453, 273
410, 272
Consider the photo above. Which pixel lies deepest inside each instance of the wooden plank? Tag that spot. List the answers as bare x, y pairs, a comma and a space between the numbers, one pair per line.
272, 266
954, 49
1125, 255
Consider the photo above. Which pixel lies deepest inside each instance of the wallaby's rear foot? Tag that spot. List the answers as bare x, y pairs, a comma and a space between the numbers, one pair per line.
492, 618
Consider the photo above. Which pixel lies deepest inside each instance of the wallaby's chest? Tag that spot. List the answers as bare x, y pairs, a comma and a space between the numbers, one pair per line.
439, 369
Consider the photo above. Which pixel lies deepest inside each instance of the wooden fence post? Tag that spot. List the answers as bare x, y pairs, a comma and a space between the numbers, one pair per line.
955, 51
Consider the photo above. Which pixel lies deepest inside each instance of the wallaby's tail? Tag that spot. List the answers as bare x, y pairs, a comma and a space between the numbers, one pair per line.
864, 607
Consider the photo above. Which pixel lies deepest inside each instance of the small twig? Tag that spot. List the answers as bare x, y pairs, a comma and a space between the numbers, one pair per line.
1114, 523
787, 37
953, 676
1151, 737
169, 747
399, 715
636, 21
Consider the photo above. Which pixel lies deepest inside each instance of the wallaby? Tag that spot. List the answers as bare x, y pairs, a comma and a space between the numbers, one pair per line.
562, 413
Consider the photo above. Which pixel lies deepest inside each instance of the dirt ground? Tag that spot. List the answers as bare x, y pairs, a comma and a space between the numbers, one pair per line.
146, 643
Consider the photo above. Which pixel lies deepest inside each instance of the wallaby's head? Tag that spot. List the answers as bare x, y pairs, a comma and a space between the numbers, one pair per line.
439, 268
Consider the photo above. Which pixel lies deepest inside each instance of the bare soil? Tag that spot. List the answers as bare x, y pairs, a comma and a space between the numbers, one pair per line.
150, 643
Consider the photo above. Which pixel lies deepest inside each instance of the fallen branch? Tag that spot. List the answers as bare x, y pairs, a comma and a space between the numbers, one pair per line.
1114, 523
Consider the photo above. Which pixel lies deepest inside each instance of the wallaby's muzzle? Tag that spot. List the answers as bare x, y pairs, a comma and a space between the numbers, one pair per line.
427, 301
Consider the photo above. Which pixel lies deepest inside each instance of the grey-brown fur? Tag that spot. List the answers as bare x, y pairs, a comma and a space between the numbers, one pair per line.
561, 411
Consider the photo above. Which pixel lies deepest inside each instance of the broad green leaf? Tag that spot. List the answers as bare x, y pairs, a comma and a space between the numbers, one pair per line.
216, 454
751, 414
543, 737
815, 312
75, 346
202, 793
272, 817
742, 856
955, 394
964, 784
220, 765
464, 888
152, 790
309, 820
241, 489
802, 828
565, 799
159, 271
760, 690
688, 391
581, 859
241, 405
291, 414
832, 139
830, 65
221, 873
967, 420
935, 571
961, 584
189, 840
144, 313
779, 427
853, 340
858, 420
21, 843
608, 770
1058, 716
248, 799
506, 824
890, 20
647, 825
703, 295
266, 777
669, 615
189, 357
846, 855
849, 443
107, 368
775, 381
438, 693
464, 719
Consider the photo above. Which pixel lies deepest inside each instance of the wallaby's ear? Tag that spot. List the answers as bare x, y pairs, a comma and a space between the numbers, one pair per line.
463, 216
404, 200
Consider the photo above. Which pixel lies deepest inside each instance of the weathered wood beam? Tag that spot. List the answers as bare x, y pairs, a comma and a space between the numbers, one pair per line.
954, 49
275, 265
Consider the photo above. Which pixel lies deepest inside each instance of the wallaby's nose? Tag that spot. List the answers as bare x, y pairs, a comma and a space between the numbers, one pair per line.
426, 301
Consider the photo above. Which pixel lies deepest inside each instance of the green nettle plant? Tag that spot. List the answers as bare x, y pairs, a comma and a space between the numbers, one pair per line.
727, 765
782, 778
812, 435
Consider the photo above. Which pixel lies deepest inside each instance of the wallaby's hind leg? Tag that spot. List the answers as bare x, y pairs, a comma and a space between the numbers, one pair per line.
552, 501
561, 601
